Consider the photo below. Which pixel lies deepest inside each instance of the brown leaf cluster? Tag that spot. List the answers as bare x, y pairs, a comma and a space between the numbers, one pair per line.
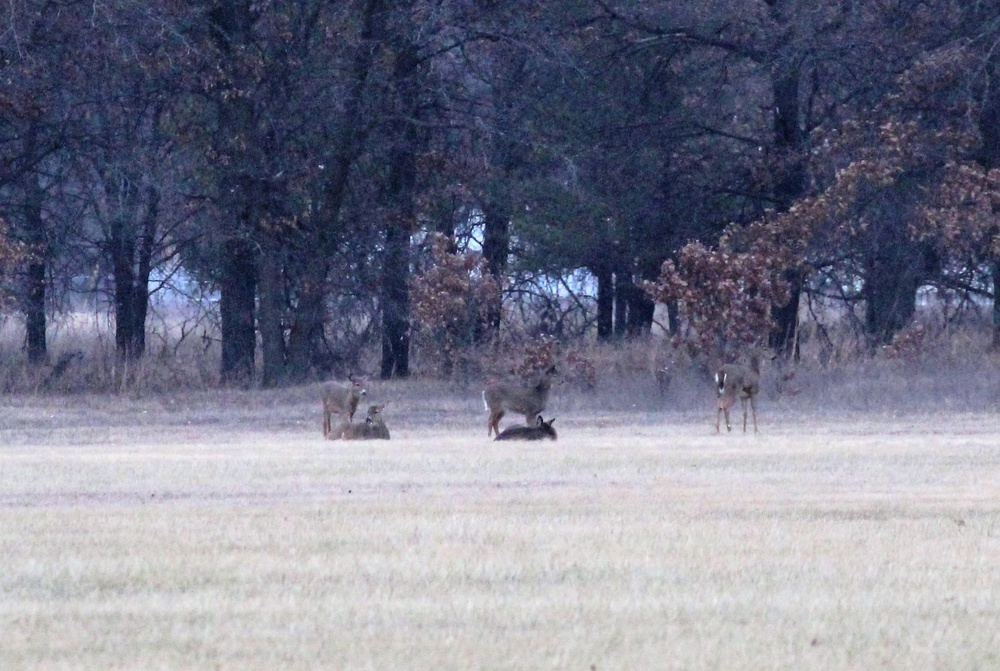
12, 252
725, 296
452, 298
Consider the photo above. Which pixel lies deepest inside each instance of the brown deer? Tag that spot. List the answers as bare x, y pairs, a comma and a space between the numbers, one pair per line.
341, 398
528, 399
373, 428
738, 381
540, 431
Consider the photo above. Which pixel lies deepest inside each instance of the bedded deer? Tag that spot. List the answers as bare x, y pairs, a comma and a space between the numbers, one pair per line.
341, 398
373, 428
528, 399
734, 381
540, 431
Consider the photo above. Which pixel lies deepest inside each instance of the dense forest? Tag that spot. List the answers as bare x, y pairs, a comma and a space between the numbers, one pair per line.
298, 181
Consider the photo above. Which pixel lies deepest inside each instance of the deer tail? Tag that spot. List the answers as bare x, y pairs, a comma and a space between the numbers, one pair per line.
486, 406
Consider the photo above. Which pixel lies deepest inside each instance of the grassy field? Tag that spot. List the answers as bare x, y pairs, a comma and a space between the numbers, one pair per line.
220, 531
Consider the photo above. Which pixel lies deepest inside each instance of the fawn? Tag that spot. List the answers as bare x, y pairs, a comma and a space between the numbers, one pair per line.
540, 431
373, 428
528, 399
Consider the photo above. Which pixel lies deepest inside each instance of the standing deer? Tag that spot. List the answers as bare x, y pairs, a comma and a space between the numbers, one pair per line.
341, 398
540, 431
528, 399
373, 428
739, 381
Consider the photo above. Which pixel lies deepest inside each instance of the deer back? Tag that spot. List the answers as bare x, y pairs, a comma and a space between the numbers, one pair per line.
528, 398
735, 378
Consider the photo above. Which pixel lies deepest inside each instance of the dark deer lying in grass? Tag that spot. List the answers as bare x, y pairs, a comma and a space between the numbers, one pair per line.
540, 431
743, 382
528, 399
341, 398
373, 428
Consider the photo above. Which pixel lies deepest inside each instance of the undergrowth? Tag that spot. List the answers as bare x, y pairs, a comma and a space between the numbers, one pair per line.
927, 367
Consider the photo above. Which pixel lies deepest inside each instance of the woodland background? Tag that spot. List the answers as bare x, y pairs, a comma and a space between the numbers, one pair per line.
286, 190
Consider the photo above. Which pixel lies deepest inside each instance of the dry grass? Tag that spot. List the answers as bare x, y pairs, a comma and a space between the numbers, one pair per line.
220, 531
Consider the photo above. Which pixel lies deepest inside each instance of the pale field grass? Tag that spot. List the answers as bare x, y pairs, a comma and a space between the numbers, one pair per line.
220, 531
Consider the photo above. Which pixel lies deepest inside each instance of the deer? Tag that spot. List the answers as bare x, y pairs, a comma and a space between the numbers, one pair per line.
739, 381
341, 398
540, 431
528, 399
373, 428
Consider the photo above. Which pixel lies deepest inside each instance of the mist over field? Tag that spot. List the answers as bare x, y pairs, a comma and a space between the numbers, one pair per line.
859, 528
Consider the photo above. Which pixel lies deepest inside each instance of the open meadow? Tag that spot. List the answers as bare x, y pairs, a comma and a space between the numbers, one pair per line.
218, 530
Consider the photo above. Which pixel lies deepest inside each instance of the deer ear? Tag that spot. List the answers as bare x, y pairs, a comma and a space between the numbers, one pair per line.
539, 421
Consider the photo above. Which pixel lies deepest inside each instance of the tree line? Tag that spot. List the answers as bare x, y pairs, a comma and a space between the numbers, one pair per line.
336, 173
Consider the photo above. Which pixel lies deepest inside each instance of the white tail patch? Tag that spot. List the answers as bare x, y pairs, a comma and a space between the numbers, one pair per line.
720, 381
486, 406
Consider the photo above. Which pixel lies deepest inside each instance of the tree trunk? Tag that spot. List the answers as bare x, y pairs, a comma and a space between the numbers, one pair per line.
131, 263
989, 158
783, 338
236, 307
623, 282
890, 295
34, 301
35, 320
144, 267
640, 306
996, 306
605, 302
396, 302
122, 251
790, 185
306, 332
496, 243
895, 267
269, 312
640, 313
401, 196
673, 317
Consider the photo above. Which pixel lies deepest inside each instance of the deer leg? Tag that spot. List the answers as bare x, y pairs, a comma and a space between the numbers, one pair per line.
725, 402
743, 404
753, 409
493, 426
326, 423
